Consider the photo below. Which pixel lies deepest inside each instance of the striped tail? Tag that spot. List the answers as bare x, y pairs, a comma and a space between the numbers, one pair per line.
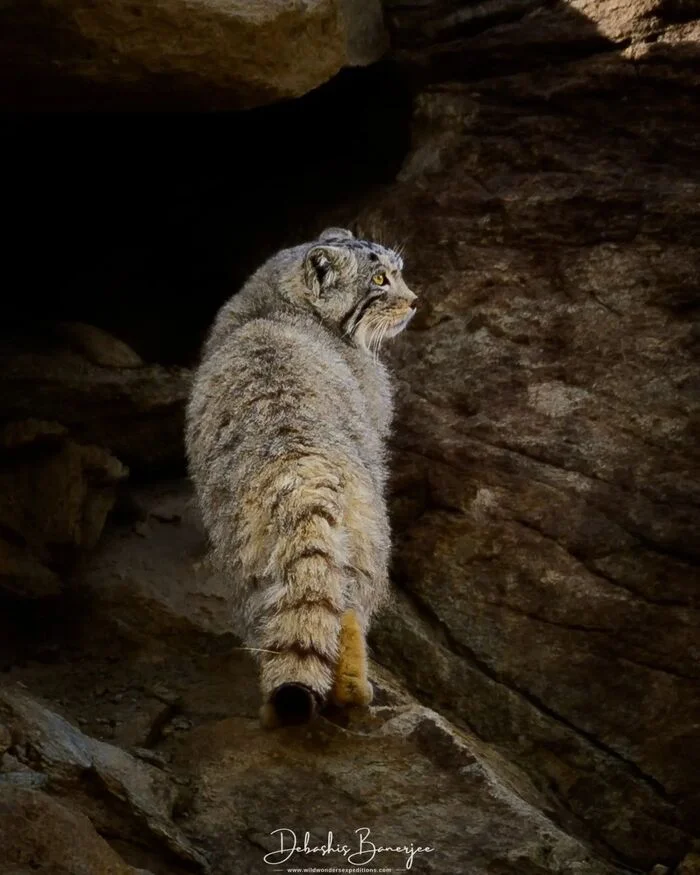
300, 618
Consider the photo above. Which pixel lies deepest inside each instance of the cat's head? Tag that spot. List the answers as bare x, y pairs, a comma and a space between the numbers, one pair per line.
356, 287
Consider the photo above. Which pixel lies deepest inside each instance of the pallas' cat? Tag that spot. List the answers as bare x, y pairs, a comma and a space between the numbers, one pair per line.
286, 431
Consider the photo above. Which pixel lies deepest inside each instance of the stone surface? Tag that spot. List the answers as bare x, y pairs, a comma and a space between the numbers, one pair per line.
98, 346
400, 770
137, 413
78, 766
484, 37
689, 865
366, 36
151, 571
546, 483
209, 54
55, 495
408, 777
23, 574
41, 835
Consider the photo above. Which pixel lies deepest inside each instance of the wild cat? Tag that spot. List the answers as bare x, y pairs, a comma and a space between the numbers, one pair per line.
286, 442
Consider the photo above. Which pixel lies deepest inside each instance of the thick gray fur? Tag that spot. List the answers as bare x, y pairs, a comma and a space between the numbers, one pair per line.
286, 430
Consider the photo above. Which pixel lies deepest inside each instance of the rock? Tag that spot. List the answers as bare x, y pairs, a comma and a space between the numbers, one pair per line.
447, 800
545, 497
55, 495
137, 413
5, 739
153, 577
367, 39
452, 39
26, 779
689, 865
98, 346
74, 761
400, 769
38, 834
233, 56
23, 574
18, 435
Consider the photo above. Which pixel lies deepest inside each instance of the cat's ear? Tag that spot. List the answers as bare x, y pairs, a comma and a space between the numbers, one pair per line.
336, 234
322, 267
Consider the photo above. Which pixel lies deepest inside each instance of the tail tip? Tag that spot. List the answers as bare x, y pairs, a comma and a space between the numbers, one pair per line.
290, 704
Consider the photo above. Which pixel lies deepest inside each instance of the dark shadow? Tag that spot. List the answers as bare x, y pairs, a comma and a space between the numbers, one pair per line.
143, 224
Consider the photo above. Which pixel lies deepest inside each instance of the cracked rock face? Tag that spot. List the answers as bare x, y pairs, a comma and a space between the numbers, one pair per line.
546, 450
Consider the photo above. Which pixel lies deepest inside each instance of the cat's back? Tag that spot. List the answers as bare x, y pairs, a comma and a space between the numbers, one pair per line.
272, 381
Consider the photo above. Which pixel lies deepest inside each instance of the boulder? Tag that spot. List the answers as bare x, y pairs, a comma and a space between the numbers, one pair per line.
55, 495
99, 389
98, 346
151, 574
454, 39
118, 791
41, 835
402, 778
205, 55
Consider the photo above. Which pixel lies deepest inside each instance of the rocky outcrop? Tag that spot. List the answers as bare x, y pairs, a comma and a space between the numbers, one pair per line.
150, 571
199, 787
76, 404
55, 495
451, 38
207, 55
446, 813
41, 835
546, 482
98, 388
47, 751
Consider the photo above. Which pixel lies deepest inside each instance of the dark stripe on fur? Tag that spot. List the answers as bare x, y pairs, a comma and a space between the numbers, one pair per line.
311, 553
300, 652
320, 602
354, 316
317, 510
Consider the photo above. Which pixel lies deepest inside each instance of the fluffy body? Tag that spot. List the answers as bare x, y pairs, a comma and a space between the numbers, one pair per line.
286, 441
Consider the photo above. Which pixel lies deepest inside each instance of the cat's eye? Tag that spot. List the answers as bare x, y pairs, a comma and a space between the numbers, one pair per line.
379, 279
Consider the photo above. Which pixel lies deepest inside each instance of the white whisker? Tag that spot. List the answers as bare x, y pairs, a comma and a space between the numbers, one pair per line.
374, 341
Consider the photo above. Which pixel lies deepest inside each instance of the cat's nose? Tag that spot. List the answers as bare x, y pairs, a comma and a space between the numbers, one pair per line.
415, 303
